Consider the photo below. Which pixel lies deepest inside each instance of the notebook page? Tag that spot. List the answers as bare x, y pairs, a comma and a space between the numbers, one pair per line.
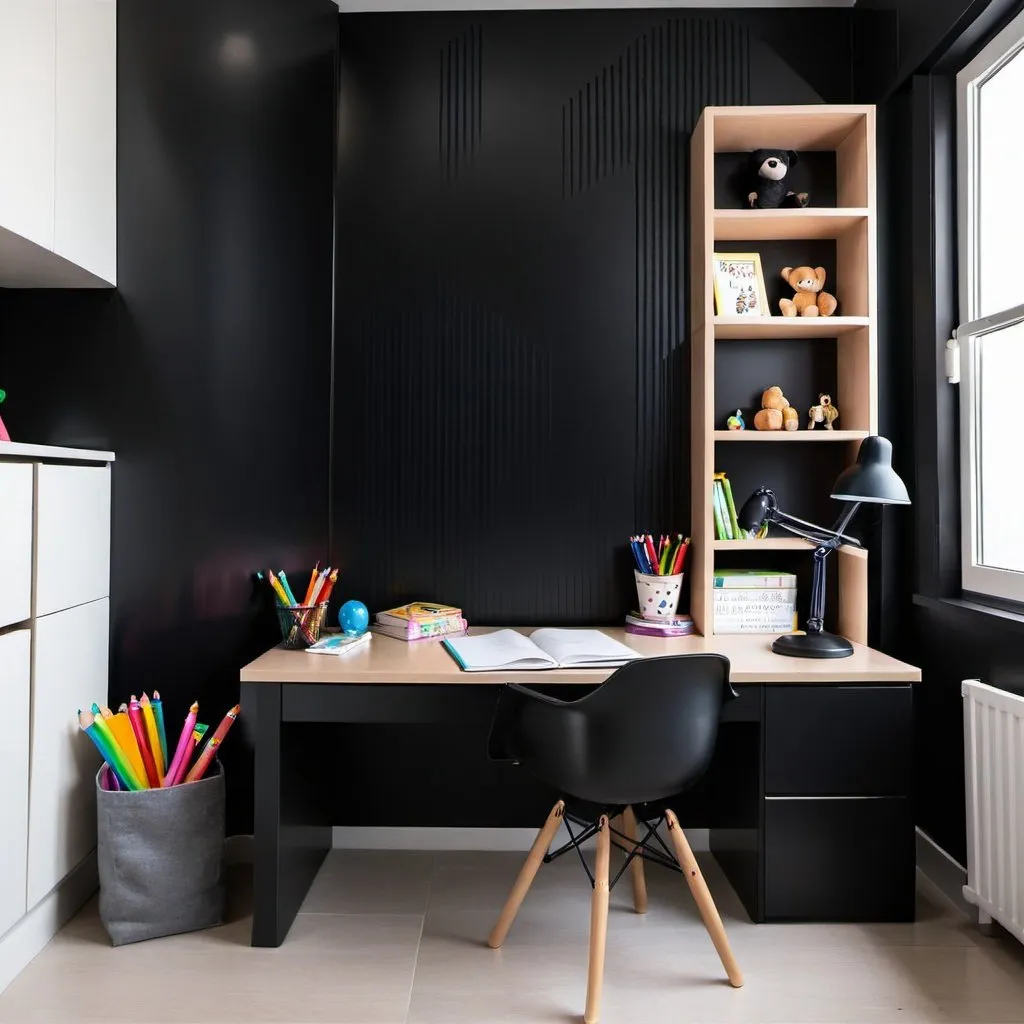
503, 649
576, 647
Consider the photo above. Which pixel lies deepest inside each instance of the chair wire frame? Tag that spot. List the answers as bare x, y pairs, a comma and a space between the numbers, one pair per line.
643, 848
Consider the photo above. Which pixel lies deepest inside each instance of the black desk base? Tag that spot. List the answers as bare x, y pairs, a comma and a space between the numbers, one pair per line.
810, 817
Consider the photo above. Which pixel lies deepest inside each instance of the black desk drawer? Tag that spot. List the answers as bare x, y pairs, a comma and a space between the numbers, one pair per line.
840, 859
838, 740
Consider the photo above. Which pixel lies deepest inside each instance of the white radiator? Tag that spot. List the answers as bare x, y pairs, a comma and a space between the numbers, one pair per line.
994, 766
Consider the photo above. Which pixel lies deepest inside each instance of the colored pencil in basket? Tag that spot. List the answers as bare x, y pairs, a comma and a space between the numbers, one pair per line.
183, 741
152, 736
225, 725
139, 728
203, 761
193, 741
161, 731
122, 764
307, 600
108, 749
121, 727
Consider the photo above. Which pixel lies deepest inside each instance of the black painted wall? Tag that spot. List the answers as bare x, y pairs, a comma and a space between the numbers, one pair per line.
208, 372
513, 364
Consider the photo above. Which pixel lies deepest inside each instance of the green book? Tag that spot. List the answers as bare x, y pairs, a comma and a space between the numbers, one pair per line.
737, 534
721, 515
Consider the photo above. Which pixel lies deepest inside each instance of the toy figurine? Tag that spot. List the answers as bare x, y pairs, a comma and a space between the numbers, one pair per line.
769, 168
770, 416
808, 298
736, 422
824, 412
4, 436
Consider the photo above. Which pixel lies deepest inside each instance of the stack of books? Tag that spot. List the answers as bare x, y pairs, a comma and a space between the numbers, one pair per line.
754, 601
420, 621
677, 625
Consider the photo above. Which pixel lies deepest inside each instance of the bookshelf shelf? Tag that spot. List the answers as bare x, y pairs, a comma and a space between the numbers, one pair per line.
786, 328
784, 436
847, 131
764, 225
780, 544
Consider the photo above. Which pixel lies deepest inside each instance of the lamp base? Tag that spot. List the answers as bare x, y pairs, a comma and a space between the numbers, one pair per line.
813, 645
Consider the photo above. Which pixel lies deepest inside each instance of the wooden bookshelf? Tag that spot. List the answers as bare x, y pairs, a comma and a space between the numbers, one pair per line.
849, 225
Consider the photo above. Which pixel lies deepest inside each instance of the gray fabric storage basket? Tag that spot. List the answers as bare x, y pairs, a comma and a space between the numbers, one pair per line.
161, 859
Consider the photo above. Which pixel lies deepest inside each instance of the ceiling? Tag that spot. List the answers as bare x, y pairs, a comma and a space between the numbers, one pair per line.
387, 6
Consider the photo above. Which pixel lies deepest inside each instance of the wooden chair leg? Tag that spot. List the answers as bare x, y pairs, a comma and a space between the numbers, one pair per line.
706, 905
527, 873
636, 867
598, 923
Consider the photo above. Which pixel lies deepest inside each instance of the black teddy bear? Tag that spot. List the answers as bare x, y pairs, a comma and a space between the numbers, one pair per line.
770, 166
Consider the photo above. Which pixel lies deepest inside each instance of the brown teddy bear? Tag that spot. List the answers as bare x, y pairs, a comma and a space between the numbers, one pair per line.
809, 299
824, 412
775, 412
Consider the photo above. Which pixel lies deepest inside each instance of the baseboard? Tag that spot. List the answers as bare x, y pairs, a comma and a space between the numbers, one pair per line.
948, 875
484, 839
23, 941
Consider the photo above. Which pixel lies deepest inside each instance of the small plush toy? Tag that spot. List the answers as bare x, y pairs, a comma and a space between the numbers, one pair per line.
770, 167
736, 422
809, 299
771, 415
824, 412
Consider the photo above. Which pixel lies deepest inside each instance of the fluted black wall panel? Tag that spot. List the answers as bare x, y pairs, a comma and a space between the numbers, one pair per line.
513, 386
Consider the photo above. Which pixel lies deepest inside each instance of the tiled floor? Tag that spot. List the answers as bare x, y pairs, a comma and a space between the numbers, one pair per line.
398, 938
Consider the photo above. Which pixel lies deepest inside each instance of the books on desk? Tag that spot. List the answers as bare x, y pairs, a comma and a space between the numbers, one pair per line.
338, 643
420, 620
754, 601
507, 649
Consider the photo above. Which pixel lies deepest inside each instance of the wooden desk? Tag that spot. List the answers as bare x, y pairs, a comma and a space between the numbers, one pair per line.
811, 777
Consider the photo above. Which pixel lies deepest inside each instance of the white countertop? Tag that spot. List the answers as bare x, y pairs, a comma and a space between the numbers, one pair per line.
15, 449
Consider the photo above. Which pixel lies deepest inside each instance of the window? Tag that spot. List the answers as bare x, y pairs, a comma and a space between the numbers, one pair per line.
990, 93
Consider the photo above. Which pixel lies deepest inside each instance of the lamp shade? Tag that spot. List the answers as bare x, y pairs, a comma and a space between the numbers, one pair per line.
871, 478
754, 511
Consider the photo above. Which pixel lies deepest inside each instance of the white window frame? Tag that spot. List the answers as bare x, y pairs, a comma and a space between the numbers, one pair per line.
976, 578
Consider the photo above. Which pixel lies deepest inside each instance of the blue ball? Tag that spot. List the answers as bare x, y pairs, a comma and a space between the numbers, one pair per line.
354, 618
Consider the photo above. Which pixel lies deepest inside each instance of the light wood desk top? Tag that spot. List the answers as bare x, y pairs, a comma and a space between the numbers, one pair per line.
386, 660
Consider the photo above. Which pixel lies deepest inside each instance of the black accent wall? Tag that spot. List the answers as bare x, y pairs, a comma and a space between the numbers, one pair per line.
208, 372
512, 338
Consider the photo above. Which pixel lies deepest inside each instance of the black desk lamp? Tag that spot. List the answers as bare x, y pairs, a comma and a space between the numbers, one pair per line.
870, 479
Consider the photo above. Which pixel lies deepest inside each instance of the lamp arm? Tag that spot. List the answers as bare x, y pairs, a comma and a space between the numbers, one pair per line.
811, 531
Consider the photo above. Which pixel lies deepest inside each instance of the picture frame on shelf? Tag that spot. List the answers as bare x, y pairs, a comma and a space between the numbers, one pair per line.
739, 284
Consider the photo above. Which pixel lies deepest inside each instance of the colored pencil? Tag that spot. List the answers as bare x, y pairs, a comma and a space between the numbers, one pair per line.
123, 733
197, 734
139, 728
152, 737
329, 588
161, 731
283, 579
314, 597
105, 711
225, 725
677, 565
652, 555
109, 751
179, 753
120, 764
312, 583
278, 589
203, 761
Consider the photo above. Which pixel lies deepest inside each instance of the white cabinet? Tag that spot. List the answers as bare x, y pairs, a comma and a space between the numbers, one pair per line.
69, 671
58, 143
15, 647
72, 537
15, 543
28, 82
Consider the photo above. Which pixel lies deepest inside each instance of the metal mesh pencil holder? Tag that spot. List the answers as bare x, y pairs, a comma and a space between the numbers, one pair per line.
300, 626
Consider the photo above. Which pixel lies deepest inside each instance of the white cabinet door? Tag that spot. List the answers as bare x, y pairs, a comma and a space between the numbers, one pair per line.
15, 648
15, 542
27, 109
72, 536
85, 228
69, 672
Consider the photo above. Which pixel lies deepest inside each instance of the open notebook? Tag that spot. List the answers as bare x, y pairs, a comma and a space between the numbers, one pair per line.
543, 648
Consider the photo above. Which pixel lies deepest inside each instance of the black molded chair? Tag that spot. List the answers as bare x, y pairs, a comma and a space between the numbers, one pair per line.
645, 735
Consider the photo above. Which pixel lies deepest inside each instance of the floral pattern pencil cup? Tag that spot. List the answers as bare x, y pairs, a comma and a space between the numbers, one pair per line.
300, 626
658, 595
